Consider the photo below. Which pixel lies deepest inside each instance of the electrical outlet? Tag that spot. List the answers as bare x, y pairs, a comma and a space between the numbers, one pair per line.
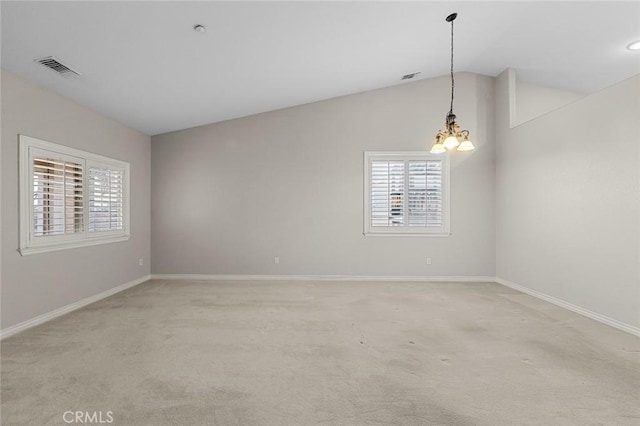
276, 260
428, 261
141, 261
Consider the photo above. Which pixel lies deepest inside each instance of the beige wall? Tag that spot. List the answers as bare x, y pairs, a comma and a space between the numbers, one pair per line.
36, 284
556, 214
228, 197
568, 200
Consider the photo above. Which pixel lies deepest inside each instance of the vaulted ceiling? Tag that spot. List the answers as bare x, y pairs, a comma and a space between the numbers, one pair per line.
142, 64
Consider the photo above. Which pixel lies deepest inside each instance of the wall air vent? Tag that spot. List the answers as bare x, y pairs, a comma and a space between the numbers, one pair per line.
409, 76
57, 66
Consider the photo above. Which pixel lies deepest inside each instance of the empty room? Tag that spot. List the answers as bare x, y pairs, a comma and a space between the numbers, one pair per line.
320, 213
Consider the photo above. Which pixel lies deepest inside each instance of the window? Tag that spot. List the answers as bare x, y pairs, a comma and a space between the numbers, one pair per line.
106, 199
70, 198
406, 193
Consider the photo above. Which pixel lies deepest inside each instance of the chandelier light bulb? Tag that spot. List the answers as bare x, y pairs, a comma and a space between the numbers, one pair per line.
466, 145
438, 148
451, 141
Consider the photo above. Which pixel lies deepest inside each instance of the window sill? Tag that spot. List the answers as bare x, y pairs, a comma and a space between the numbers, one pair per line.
407, 234
71, 245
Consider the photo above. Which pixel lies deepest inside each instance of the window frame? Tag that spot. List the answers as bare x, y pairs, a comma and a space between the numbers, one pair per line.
29, 243
405, 230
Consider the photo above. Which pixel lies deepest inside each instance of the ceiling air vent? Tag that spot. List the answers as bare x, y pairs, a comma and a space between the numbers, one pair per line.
57, 66
409, 76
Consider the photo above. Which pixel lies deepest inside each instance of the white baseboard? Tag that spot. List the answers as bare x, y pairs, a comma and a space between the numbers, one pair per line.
398, 278
10, 331
483, 279
570, 306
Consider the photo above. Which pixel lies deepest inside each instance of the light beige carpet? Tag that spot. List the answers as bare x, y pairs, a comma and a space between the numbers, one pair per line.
330, 353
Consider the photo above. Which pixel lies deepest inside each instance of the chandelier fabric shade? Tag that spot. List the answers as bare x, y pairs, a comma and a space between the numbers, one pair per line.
452, 137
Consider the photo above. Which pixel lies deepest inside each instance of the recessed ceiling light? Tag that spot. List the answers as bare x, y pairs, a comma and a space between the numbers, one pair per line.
199, 28
634, 46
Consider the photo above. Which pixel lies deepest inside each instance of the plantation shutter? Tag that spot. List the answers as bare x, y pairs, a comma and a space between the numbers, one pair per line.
387, 193
425, 193
106, 199
58, 198
70, 198
407, 193
434, 194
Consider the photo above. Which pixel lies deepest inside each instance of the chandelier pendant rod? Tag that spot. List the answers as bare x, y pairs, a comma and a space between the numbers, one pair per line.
451, 18
452, 137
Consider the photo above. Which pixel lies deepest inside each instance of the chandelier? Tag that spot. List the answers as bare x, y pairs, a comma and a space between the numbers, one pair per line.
452, 137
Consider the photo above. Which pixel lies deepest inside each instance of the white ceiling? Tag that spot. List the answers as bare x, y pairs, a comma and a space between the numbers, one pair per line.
143, 65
